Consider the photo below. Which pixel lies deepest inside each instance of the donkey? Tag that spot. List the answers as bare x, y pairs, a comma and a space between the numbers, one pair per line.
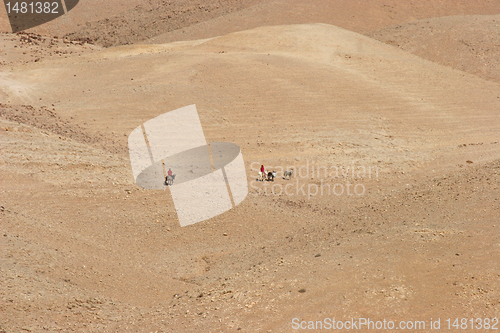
262, 176
169, 180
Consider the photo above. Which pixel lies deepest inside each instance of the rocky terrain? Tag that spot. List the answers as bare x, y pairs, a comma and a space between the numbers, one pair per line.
394, 98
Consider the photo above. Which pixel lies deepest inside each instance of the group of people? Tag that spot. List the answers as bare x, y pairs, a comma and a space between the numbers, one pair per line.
269, 176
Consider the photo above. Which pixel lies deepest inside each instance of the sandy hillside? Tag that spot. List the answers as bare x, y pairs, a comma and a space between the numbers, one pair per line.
116, 22
320, 94
358, 16
462, 42
123, 22
302, 84
84, 249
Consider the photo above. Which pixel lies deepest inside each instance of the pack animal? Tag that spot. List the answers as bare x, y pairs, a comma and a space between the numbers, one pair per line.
270, 176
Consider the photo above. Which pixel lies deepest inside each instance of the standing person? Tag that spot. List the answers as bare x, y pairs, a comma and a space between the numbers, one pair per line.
169, 172
262, 173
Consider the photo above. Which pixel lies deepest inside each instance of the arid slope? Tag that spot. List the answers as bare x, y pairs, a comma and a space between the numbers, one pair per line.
87, 250
462, 42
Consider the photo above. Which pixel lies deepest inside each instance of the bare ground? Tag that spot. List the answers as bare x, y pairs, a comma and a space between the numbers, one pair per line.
85, 249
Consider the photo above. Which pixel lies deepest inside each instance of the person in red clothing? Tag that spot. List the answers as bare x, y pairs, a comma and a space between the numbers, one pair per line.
169, 180
262, 174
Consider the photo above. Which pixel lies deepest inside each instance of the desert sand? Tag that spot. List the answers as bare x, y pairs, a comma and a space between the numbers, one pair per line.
408, 91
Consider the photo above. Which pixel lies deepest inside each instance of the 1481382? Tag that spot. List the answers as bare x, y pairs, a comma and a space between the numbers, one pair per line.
32, 7
473, 323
